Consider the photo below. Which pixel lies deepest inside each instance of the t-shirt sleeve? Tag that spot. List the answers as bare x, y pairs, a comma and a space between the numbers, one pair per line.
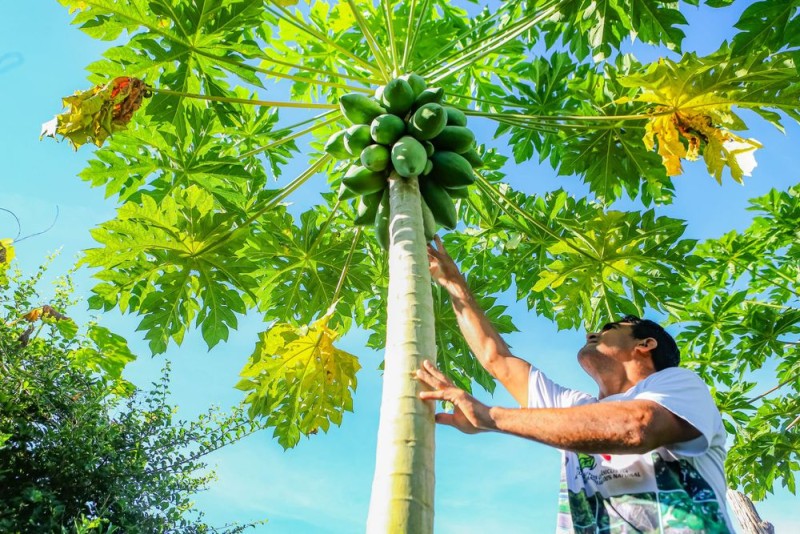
685, 394
544, 393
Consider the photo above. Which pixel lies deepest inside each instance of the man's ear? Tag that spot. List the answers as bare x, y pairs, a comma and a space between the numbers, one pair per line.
646, 345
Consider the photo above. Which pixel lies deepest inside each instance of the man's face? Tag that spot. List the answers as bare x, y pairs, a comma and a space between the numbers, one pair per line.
613, 343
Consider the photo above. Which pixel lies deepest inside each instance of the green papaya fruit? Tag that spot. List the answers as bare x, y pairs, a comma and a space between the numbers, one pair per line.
397, 97
451, 170
456, 139
429, 96
440, 203
382, 221
363, 181
379, 93
367, 208
427, 122
387, 128
357, 138
429, 148
455, 117
375, 157
359, 109
457, 192
335, 146
428, 221
428, 168
416, 82
473, 158
345, 193
408, 157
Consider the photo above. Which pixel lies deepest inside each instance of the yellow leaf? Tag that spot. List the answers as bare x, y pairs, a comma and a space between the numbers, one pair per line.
6, 255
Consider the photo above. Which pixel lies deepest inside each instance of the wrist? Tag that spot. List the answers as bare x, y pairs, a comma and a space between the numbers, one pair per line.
491, 423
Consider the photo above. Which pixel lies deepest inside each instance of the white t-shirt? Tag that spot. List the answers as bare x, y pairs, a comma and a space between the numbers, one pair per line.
676, 489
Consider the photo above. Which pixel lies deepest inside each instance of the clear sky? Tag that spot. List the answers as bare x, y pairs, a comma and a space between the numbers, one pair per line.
485, 483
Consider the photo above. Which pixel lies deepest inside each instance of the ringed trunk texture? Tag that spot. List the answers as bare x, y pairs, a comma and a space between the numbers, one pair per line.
402, 489
745, 512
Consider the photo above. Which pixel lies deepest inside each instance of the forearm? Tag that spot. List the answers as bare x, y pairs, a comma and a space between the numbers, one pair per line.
481, 336
596, 428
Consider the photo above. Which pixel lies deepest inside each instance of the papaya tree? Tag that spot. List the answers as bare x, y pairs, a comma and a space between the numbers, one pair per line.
378, 97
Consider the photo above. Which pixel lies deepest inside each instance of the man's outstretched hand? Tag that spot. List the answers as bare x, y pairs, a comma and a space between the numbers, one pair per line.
469, 415
444, 270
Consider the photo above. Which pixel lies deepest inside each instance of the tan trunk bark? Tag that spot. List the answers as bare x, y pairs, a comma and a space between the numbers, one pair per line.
745, 512
402, 489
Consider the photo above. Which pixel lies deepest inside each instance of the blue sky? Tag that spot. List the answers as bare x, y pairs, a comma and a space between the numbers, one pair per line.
485, 483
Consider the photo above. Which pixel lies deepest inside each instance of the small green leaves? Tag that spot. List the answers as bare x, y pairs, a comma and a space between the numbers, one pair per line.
298, 381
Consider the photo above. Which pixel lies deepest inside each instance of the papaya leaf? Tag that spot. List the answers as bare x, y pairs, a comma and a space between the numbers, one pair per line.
297, 381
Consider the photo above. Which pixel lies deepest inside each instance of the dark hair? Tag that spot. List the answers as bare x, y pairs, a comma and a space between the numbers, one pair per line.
666, 354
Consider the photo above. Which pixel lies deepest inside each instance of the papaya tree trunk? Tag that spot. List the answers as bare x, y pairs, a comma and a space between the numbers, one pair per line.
402, 490
745, 512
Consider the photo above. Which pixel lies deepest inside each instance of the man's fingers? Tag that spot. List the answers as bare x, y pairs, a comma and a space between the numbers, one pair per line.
445, 419
436, 394
438, 242
436, 373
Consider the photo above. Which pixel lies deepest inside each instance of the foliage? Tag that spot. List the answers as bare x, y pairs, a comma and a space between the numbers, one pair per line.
201, 237
80, 449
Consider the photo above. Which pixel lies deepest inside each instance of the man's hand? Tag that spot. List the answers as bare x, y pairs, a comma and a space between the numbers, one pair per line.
444, 270
469, 415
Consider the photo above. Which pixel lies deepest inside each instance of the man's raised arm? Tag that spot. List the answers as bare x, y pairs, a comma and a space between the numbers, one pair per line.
485, 342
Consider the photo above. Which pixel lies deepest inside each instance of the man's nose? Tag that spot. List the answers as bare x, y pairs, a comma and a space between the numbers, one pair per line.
592, 337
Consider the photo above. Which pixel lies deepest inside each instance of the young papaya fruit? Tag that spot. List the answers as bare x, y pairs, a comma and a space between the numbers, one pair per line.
345, 193
416, 82
379, 93
473, 158
357, 138
398, 97
428, 168
408, 157
456, 139
427, 122
455, 117
457, 192
363, 181
428, 221
387, 128
382, 221
359, 109
440, 203
335, 146
451, 170
429, 148
367, 208
375, 157
429, 96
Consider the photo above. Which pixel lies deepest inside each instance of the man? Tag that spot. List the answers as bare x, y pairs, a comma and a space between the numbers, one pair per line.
646, 455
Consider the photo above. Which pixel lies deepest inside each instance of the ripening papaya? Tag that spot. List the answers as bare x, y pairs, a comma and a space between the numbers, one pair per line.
416, 82
473, 158
455, 117
398, 97
427, 122
429, 148
357, 138
345, 193
440, 203
457, 192
363, 181
359, 109
456, 139
375, 157
335, 146
451, 170
367, 208
382, 221
408, 157
387, 128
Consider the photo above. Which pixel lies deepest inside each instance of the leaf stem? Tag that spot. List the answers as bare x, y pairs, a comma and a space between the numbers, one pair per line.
365, 81
383, 63
295, 135
387, 12
790, 379
249, 101
294, 21
409, 29
346, 265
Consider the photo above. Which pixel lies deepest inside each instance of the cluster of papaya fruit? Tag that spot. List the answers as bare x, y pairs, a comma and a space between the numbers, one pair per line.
405, 128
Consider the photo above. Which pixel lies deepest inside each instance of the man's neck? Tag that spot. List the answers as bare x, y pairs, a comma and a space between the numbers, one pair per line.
622, 381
